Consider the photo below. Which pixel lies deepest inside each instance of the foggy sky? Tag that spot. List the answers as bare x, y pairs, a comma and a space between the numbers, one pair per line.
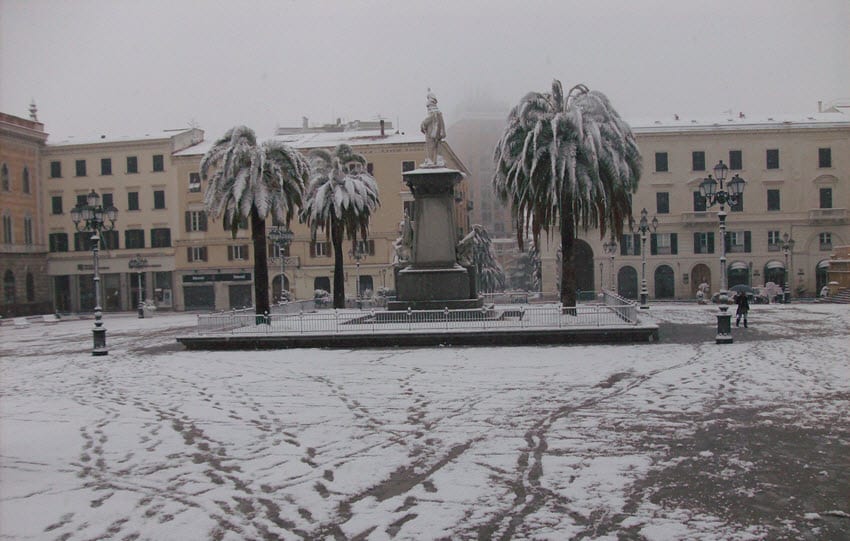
130, 67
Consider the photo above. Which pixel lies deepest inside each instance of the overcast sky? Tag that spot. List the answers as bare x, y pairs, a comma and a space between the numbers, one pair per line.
129, 67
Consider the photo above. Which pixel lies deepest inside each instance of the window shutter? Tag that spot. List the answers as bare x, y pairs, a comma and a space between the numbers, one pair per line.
748, 242
697, 249
245, 252
188, 221
699, 202
637, 246
674, 243
312, 249
189, 254
653, 244
203, 253
230, 253
202, 221
710, 243
623, 245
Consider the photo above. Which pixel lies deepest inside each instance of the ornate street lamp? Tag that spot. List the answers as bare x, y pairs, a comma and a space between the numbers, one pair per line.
787, 249
644, 226
94, 217
357, 254
610, 248
282, 238
139, 263
713, 192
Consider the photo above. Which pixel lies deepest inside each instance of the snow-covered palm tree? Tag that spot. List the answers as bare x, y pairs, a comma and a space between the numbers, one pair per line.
251, 181
567, 161
341, 197
489, 275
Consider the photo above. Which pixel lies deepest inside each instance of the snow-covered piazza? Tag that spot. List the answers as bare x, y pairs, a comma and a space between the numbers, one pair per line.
682, 439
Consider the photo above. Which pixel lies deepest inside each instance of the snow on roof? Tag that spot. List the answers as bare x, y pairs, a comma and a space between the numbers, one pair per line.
93, 139
738, 121
325, 139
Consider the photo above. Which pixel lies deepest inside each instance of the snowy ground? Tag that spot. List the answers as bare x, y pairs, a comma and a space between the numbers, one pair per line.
683, 439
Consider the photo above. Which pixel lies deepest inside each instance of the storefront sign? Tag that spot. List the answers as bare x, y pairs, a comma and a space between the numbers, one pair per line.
226, 277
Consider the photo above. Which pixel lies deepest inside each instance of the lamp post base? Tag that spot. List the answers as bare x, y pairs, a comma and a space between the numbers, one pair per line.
99, 338
141, 310
724, 327
643, 298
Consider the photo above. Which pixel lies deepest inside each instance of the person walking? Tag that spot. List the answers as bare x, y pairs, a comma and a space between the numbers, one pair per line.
743, 307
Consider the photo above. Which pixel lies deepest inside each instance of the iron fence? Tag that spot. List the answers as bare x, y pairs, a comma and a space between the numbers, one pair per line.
614, 312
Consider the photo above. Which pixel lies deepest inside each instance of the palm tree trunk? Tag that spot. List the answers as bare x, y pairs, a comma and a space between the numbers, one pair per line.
261, 269
568, 267
339, 273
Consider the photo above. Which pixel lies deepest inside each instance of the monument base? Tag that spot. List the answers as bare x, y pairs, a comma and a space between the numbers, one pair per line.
434, 289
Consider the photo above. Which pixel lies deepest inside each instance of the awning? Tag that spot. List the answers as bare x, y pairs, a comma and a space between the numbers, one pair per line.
774, 265
824, 264
738, 265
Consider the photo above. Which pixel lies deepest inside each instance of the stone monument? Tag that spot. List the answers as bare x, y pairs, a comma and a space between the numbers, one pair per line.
431, 278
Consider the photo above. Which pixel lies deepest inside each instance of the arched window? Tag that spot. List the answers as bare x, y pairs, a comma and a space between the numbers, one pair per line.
9, 287
30, 287
8, 237
25, 180
4, 178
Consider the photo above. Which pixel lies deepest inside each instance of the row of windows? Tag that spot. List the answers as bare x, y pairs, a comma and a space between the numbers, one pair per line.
6, 179
237, 252
9, 233
160, 237
736, 160
81, 169
107, 200
662, 201
736, 241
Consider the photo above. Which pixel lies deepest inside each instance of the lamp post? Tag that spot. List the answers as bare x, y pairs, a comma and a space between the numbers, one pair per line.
282, 238
644, 226
610, 248
713, 192
357, 254
94, 217
787, 248
139, 263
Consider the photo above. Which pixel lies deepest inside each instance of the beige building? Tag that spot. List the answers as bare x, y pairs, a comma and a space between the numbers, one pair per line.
215, 271
23, 254
136, 176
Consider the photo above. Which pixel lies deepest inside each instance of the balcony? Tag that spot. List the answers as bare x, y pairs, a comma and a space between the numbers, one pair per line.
828, 217
290, 261
699, 217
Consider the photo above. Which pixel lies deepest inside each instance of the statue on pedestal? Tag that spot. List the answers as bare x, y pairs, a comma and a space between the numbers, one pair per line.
435, 131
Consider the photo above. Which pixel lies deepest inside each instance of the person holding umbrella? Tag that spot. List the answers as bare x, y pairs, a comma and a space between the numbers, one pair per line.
743, 307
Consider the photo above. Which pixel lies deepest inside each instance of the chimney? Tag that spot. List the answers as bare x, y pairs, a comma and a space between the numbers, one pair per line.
382, 128
305, 122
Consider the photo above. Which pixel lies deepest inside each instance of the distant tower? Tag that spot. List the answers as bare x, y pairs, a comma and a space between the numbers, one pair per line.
33, 111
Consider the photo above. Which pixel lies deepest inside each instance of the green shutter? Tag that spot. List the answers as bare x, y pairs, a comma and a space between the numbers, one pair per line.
653, 244
710, 242
674, 243
748, 242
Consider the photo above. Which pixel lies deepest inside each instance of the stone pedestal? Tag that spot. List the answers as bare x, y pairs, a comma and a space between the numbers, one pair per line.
433, 279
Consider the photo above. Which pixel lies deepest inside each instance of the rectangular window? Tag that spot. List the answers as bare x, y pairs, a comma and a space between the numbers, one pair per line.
109, 240
196, 220
704, 243
196, 253
772, 158
27, 230
662, 202
663, 244
132, 200
82, 200
736, 160
58, 242
159, 199
80, 168
237, 253
82, 241
55, 169
108, 200
132, 164
56, 204
134, 238
320, 249
699, 202
825, 241
194, 182
160, 237
7, 230
106, 166
407, 166
660, 162
774, 243
738, 206
630, 244
826, 198
824, 157
698, 160
738, 241
773, 200
158, 163
366, 247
